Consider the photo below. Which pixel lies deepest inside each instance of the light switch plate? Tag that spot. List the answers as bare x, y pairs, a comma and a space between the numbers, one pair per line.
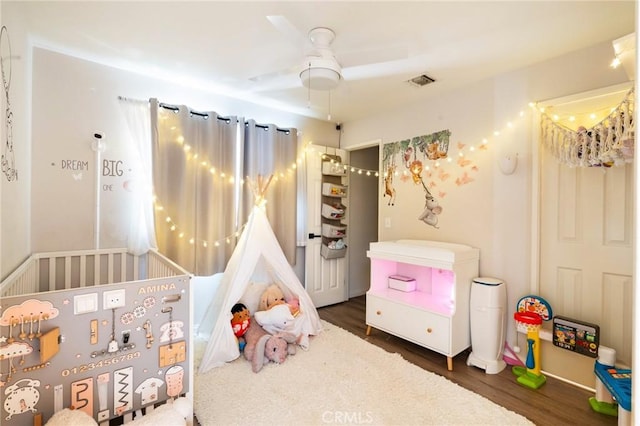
85, 303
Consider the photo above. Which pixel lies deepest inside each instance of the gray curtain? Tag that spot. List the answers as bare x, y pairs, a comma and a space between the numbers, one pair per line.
270, 150
196, 159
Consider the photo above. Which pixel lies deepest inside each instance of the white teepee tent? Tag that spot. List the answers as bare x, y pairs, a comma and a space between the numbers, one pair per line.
257, 254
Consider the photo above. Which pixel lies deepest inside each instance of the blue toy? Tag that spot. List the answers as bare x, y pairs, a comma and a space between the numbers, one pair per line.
617, 382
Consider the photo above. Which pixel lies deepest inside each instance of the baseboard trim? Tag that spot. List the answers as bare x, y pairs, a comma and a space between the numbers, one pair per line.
571, 382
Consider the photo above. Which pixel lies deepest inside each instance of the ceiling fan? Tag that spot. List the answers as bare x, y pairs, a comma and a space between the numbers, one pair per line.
323, 72
319, 68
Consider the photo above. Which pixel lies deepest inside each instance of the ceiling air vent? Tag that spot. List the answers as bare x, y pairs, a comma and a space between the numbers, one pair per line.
421, 80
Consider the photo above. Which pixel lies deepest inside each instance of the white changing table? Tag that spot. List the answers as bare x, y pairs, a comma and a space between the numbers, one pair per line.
436, 314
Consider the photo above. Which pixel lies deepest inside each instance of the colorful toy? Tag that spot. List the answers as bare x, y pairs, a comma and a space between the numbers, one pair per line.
530, 312
240, 322
613, 388
576, 336
618, 383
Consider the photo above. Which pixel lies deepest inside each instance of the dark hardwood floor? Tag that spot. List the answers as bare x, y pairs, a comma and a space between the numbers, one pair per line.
555, 403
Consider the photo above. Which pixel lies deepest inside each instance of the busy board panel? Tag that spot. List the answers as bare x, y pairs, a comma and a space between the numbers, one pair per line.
107, 350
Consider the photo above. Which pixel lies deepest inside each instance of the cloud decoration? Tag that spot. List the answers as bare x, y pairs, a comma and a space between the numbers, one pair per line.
32, 308
15, 349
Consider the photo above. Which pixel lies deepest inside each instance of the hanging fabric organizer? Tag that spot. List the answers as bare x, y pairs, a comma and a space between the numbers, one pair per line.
608, 143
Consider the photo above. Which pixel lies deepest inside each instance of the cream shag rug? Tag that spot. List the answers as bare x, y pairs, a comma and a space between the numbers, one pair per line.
341, 379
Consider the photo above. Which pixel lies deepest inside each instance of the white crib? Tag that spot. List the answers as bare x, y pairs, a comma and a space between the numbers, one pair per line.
73, 269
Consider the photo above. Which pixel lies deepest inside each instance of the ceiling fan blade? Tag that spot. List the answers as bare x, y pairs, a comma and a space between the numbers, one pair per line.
373, 56
290, 31
407, 66
282, 79
271, 75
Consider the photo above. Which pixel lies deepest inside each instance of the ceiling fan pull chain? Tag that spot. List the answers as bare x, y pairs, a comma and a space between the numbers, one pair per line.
309, 87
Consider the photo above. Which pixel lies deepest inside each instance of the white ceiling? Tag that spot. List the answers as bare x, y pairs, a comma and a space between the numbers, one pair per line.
221, 46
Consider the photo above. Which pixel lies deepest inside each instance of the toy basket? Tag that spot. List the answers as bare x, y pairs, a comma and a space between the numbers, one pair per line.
333, 212
527, 321
333, 231
332, 190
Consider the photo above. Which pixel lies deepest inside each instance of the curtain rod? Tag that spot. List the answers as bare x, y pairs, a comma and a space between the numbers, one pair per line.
204, 115
266, 127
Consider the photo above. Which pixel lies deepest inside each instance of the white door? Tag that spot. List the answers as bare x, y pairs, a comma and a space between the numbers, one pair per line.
586, 256
325, 279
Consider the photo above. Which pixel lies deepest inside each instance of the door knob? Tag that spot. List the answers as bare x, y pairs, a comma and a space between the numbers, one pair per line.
312, 236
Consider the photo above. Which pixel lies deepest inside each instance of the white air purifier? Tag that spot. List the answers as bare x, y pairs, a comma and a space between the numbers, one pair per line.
487, 314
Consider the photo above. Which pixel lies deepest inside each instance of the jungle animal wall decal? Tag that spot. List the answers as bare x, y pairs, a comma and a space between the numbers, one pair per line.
388, 185
427, 164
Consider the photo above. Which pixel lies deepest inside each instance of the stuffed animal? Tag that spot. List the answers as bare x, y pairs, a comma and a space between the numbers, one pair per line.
294, 306
262, 347
276, 320
240, 322
273, 296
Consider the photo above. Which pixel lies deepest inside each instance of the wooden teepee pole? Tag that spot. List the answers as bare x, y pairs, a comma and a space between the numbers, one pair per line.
260, 189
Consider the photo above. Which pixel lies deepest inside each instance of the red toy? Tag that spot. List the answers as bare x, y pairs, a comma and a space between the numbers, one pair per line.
240, 320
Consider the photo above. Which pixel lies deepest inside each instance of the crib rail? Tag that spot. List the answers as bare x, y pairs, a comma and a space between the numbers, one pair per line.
161, 267
53, 271
22, 280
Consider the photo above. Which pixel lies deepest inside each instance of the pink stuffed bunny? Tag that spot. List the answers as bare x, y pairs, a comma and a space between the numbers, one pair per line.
262, 347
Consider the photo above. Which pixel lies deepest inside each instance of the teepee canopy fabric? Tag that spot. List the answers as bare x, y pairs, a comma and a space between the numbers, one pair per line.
257, 256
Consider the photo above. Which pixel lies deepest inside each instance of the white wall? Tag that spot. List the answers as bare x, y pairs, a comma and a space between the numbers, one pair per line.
73, 99
14, 196
493, 212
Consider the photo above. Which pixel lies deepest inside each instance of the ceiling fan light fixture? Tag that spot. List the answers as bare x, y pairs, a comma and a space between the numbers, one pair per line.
319, 78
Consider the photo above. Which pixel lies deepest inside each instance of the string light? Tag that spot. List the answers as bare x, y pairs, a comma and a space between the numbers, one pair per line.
229, 178
615, 63
307, 150
586, 118
192, 240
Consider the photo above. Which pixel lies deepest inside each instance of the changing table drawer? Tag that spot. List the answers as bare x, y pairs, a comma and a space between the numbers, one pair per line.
422, 327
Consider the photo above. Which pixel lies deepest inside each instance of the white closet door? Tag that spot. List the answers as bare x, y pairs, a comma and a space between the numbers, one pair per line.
325, 279
586, 256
